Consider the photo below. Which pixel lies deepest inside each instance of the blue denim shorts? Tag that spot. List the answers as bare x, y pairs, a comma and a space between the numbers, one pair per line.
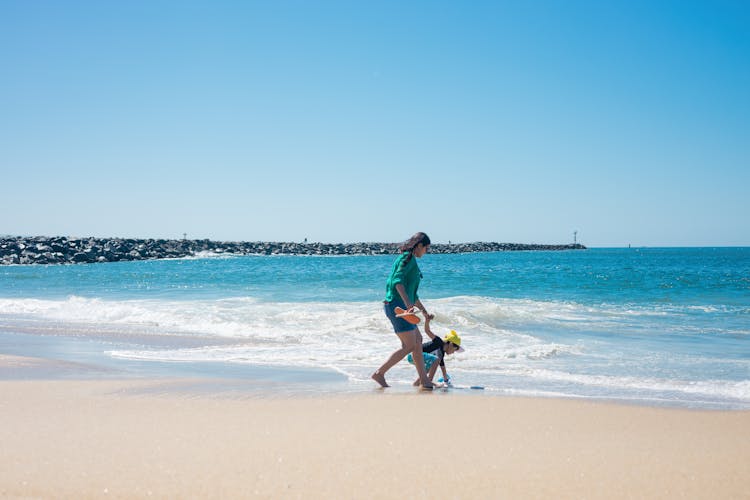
400, 325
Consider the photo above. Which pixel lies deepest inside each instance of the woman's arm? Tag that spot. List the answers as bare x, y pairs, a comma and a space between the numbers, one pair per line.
422, 308
402, 292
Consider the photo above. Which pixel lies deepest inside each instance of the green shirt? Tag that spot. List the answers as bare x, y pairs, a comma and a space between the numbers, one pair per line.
408, 275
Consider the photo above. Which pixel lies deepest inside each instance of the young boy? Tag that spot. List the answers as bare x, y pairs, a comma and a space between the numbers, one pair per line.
436, 349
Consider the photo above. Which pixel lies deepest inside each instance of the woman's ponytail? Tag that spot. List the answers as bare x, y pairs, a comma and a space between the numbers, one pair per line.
412, 243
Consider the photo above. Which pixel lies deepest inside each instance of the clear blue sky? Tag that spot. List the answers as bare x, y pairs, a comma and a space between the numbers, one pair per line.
512, 121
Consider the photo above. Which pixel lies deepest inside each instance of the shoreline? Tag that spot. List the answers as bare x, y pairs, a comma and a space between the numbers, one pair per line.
41, 354
67, 250
61, 355
126, 438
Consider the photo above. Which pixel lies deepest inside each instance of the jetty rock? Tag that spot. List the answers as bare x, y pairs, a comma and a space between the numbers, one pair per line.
69, 250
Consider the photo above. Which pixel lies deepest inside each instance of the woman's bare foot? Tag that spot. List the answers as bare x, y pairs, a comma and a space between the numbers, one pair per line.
417, 383
380, 379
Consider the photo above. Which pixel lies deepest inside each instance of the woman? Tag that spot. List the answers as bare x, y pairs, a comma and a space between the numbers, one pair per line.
401, 291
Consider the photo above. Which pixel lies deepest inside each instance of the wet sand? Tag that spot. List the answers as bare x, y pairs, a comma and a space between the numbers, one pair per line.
157, 437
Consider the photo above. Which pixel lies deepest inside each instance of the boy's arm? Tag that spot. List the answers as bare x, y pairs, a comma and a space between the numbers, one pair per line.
427, 329
445, 373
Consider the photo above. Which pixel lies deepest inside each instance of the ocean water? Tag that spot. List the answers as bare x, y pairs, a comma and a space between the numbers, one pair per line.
648, 326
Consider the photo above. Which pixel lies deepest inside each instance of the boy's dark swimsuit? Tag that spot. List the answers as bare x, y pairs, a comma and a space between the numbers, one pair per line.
436, 344
431, 352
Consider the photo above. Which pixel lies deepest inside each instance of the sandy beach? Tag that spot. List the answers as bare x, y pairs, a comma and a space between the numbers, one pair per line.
141, 438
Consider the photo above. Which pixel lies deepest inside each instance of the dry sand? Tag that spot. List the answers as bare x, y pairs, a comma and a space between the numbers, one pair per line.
131, 438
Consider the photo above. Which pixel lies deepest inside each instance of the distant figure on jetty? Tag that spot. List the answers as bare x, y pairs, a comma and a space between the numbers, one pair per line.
401, 291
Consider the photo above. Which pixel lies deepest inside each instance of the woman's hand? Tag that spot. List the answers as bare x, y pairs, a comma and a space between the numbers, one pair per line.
418, 303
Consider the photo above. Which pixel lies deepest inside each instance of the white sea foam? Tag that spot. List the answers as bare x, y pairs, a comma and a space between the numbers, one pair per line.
208, 254
739, 390
246, 316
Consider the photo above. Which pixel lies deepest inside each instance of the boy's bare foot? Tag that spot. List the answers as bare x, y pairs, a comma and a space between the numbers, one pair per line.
380, 379
416, 383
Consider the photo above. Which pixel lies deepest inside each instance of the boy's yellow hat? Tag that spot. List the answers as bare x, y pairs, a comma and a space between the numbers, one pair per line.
453, 338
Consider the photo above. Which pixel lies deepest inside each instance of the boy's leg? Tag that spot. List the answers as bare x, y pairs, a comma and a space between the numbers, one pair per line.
429, 361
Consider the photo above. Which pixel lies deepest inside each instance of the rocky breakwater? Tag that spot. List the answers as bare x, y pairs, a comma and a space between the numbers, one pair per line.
64, 250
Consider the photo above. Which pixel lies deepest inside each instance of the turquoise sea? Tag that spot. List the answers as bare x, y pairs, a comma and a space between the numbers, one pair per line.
649, 326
